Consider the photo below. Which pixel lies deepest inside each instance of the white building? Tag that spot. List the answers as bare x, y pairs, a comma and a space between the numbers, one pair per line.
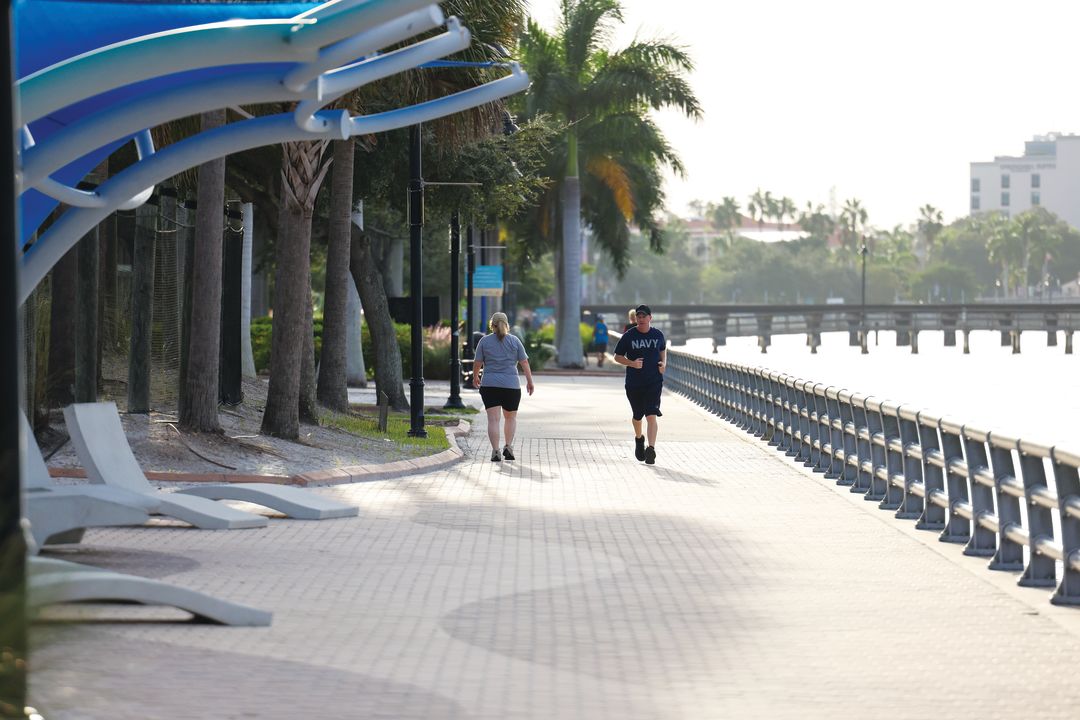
1046, 175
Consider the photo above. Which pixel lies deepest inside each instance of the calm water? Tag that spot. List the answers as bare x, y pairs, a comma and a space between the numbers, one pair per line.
1034, 395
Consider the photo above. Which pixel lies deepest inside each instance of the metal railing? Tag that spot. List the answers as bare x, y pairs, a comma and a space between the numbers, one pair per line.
949, 477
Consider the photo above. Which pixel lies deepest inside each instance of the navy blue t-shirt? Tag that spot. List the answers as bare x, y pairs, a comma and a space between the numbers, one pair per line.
635, 344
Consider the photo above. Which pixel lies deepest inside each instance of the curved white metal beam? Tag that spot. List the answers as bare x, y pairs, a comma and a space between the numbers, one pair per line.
352, 49
190, 48
236, 137
241, 88
341, 82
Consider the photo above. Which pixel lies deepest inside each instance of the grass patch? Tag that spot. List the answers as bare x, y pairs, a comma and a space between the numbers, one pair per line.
451, 411
397, 430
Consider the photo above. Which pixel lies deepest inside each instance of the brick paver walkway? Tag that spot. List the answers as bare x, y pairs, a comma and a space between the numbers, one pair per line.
725, 582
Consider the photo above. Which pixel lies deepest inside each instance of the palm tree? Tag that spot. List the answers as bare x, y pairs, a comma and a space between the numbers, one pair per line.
602, 97
853, 223
931, 223
785, 208
760, 207
1004, 245
726, 217
818, 223
304, 166
199, 396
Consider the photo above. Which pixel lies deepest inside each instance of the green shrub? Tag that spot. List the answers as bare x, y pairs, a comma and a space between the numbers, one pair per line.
547, 334
436, 351
261, 332
538, 350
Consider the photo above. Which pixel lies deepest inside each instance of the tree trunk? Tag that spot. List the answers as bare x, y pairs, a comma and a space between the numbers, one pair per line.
200, 410
388, 371
303, 167
281, 417
142, 310
333, 390
308, 410
60, 383
571, 354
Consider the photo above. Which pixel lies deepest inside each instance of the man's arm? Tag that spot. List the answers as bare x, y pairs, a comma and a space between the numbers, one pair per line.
662, 365
622, 360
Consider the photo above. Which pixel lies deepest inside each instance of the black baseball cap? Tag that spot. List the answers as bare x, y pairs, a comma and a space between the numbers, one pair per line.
642, 310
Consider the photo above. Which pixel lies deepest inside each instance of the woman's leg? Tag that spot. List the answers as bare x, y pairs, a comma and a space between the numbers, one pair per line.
493, 414
509, 426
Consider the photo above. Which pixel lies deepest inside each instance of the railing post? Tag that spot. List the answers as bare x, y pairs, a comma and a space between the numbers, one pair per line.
876, 443
1040, 570
1068, 342
775, 401
933, 517
863, 455
1010, 554
821, 431
1067, 484
850, 472
894, 456
802, 422
835, 468
957, 527
911, 506
983, 541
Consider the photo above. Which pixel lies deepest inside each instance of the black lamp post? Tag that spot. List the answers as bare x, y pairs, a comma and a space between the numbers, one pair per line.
862, 301
13, 633
416, 283
454, 401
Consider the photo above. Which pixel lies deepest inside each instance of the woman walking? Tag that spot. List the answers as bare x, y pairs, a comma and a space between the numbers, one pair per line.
498, 355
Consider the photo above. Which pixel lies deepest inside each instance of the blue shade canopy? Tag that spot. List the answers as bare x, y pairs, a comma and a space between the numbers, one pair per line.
50, 31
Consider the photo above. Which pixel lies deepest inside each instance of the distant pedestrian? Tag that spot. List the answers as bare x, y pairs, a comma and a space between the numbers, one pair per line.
600, 340
643, 350
498, 356
631, 318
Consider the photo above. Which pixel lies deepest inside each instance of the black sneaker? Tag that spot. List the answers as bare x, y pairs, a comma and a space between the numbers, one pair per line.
508, 453
650, 455
495, 457
639, 447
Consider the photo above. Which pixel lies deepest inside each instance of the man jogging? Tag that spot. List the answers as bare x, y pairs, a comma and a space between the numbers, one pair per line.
643, 350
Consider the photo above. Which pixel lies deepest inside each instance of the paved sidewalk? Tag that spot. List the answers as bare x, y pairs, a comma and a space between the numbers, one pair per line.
724, 582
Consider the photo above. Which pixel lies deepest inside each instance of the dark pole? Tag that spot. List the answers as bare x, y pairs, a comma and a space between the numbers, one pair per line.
454, 401
862, 302
470, 269
13, 636
416, 283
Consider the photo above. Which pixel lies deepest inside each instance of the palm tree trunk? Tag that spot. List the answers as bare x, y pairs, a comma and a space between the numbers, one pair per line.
303, 167
570, 351
199, 410
388, 372
333, 390
307, 408
281, 417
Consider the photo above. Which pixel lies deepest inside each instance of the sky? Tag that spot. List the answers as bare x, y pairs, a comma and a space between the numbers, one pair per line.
887, 102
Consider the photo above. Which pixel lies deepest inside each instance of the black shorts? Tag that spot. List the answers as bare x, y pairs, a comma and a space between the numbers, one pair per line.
645, 400
506, 398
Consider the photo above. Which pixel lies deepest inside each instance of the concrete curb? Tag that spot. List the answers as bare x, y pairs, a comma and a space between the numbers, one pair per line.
334, 476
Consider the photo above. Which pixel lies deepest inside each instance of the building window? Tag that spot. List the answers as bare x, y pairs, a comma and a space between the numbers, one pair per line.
1004, 199
974, 202
1004, 182
974, 185
1035, 198
1036, 181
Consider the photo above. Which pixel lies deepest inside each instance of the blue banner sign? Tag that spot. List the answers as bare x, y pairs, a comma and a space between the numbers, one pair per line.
488, 281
